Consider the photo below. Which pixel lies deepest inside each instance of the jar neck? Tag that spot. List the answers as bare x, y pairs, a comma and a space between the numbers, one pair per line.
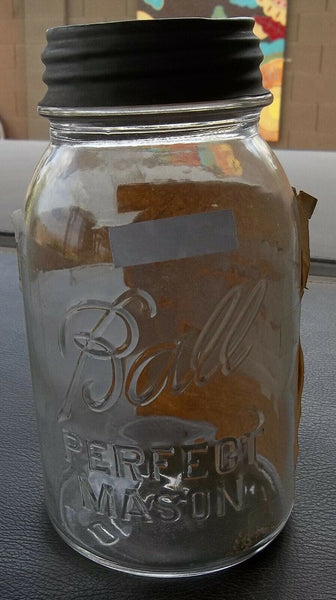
236, 118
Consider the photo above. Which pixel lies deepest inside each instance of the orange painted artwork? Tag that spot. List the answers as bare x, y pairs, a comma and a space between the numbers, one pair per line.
270, 26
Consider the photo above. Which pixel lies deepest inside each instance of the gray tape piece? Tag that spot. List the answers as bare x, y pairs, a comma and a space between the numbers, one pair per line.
173, 238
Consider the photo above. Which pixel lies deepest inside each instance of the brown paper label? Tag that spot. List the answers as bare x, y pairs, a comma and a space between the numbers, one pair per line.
306, 206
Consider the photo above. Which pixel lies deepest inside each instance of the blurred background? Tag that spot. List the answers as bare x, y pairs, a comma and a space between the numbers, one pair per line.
308, 76
298, 39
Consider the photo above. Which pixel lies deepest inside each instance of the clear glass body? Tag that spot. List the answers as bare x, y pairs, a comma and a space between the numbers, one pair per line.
161, 282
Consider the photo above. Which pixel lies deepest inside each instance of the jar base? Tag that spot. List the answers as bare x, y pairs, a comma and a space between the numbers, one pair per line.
178, 573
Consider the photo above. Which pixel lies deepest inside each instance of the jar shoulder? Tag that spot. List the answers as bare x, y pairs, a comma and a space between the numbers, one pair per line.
90, 174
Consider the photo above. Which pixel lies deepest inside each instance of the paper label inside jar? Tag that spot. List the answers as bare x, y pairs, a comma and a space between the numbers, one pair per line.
173, 238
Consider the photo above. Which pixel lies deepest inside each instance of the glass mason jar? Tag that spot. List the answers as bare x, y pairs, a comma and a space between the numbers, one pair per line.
161, 281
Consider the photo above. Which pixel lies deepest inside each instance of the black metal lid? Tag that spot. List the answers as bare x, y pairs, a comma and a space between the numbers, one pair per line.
163, 61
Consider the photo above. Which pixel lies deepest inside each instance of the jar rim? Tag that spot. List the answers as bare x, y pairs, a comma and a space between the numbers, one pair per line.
241, 103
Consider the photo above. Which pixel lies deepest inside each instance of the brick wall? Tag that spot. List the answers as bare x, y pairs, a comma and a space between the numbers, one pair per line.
13, 108
88, 11
309, 88
41, 14
308, 117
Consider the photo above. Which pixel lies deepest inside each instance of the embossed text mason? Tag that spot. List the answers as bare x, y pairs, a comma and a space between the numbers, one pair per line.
160, 263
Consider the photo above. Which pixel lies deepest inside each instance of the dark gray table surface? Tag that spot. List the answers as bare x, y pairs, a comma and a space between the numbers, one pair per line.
36, 564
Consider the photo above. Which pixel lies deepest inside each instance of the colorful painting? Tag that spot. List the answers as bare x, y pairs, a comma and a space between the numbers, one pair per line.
270, 26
